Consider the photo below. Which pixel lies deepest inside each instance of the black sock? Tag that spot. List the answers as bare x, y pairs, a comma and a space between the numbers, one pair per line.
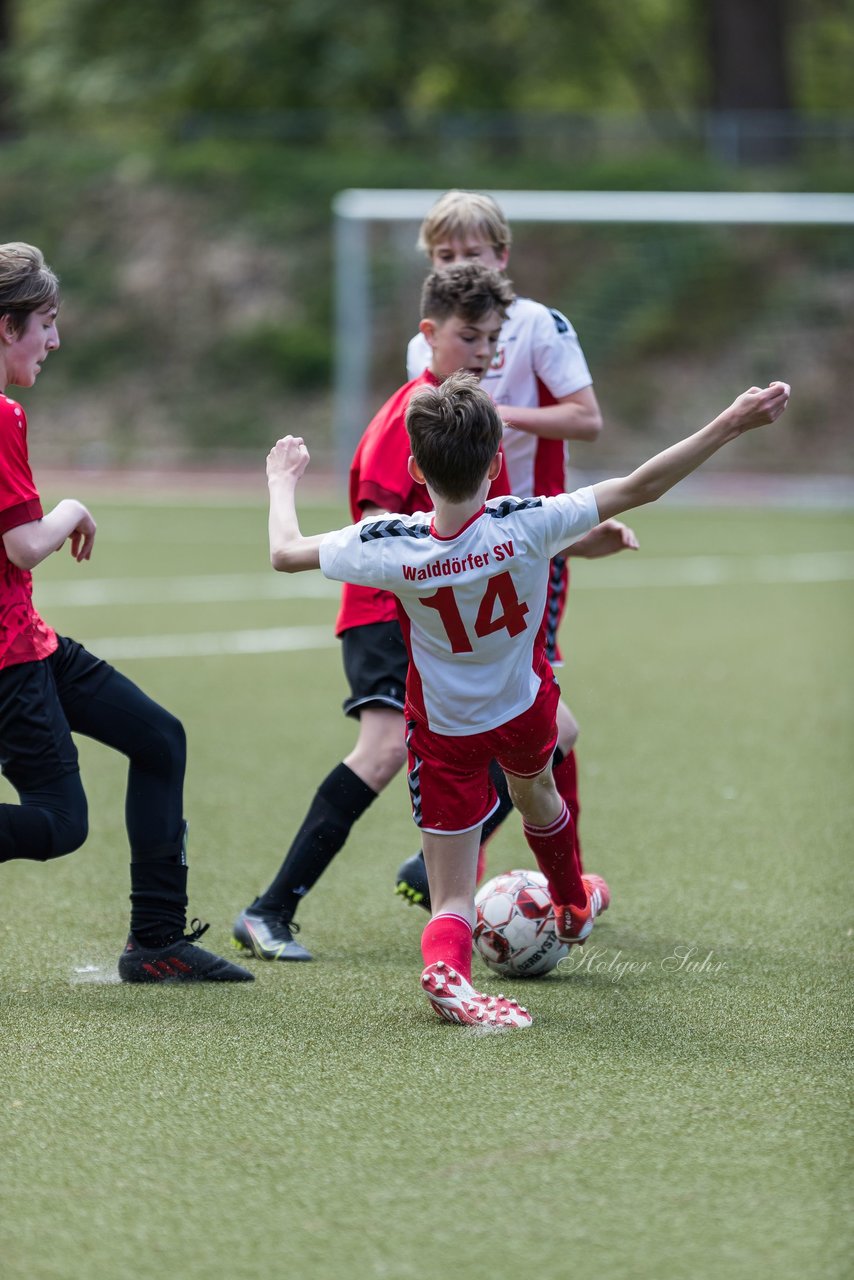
339, 802
158, 893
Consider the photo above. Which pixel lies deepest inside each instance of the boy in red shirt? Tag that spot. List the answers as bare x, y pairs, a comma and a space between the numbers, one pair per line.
51, 686
462, 315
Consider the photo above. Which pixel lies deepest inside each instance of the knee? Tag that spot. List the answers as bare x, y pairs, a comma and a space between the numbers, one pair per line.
567, 729
55, 820
536, 798
392, 757
69, 818
384, 766
377, 763
164, 749
70, 831
173, 733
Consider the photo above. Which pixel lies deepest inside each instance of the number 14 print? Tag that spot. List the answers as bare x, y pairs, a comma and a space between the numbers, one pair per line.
500, 610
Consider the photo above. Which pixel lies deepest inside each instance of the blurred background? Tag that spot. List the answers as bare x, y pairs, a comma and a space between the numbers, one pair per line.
178, 163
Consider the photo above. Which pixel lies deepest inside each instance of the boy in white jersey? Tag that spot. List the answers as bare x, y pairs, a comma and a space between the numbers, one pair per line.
470, 577
542, 386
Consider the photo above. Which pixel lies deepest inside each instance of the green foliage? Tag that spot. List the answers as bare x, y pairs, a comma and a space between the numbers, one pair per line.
669, 289
822, 52
289, 356
154, 59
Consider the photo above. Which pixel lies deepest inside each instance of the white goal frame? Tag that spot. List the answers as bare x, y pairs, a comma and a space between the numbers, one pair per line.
357, 208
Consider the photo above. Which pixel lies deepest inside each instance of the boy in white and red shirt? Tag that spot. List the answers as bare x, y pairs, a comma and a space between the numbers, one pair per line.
542, 386
470, 577
462, 311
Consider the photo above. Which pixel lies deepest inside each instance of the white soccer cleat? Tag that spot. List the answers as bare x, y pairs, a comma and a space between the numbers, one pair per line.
456, 1000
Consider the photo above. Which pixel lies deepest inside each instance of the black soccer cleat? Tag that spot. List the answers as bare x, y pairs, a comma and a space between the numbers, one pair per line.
269, 935
181, 961
412, 881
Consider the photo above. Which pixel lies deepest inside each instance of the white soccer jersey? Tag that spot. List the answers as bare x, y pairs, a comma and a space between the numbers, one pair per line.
538, 360
470, 606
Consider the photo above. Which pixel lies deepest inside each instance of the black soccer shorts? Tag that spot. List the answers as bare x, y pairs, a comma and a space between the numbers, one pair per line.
375, 664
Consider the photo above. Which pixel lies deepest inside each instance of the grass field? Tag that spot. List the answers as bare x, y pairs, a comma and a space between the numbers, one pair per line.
678, 1109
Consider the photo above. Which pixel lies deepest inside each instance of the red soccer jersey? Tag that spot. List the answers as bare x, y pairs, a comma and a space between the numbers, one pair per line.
24, 637
379, 477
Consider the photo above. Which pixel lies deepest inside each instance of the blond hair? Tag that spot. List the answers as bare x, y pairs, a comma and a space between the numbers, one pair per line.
459, 215
26, 282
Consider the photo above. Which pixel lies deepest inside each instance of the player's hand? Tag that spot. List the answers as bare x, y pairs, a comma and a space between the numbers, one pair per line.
288, 457
759, 406
82, 537
606, 539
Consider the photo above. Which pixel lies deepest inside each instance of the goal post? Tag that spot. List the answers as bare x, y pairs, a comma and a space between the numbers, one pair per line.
357, 210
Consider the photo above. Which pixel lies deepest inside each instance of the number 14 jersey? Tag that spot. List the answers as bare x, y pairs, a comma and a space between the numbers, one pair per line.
470, 606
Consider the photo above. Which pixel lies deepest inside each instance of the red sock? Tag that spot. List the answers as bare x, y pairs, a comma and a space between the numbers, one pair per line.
554, 848
566, 780
448, 937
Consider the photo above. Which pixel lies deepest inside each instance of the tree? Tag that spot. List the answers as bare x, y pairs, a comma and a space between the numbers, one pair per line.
747, 43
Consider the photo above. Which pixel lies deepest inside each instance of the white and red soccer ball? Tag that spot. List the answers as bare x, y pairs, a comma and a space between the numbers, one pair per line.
514, 931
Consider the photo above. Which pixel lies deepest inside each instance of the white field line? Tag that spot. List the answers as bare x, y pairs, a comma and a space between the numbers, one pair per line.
629, 571
714, 571
213, 643
200, 589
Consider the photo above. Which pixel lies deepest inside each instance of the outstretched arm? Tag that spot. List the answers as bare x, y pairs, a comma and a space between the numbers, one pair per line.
753, 408
290, 552
30, 543
606, 539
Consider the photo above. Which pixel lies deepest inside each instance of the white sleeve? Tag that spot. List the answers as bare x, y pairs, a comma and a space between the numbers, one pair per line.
569, 517
557, 356
345, 557
418, 356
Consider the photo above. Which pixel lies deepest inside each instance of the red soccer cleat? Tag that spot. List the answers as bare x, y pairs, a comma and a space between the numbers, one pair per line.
574, 924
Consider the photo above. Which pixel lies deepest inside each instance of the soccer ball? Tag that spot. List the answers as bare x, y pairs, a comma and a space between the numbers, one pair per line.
514, 932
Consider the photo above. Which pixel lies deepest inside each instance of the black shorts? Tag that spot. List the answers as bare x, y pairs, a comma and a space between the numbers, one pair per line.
375, 664
36, 699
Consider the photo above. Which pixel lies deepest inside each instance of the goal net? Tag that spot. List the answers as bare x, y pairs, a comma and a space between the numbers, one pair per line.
680, 301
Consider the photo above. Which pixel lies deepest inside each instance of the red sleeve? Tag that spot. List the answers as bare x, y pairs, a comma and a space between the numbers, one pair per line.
373, 495
19, 498
24, 513
382, 478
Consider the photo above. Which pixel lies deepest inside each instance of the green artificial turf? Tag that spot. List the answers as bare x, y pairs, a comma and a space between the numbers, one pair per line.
677, 1110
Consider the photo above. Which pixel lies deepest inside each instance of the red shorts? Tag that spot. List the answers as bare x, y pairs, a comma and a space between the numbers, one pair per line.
449, 783
555, 607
